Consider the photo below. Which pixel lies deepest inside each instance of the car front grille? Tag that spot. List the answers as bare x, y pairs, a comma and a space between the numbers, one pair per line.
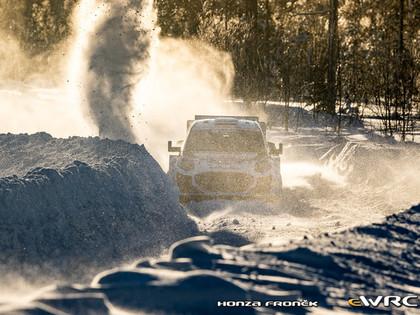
225, 182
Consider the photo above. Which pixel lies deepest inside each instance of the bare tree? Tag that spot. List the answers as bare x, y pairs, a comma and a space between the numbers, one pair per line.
332, 56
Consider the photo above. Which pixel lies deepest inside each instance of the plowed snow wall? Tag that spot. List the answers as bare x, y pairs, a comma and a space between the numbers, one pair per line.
121, 206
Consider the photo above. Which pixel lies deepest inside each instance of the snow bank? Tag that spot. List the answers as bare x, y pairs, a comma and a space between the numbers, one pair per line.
89, 202
379, 259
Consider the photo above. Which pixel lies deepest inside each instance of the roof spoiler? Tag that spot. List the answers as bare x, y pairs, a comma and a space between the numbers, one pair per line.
253, 118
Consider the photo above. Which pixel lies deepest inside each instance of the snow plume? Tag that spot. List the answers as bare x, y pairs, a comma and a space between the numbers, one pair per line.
34, 94
118, 56
112, 76
18, 64
187, 78
11, 57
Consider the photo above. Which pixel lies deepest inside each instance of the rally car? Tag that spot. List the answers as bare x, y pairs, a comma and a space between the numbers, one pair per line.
226, 157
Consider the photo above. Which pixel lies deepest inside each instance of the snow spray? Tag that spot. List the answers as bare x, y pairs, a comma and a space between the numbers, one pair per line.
34, 86
115, 77
118, 57
187, 77
142, 88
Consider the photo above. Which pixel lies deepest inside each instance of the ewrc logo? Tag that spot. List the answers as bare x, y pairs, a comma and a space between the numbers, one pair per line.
387, 301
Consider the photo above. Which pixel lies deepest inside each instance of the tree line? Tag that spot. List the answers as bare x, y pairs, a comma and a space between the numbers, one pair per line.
39, 25
339, 56
353, 57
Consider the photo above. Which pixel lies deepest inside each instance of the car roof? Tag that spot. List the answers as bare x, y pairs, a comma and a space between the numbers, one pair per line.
225, 123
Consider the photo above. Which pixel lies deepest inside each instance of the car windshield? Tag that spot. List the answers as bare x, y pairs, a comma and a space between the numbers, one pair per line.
225, 140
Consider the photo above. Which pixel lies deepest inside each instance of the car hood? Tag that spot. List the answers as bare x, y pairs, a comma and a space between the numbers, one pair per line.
225, 158
206, 161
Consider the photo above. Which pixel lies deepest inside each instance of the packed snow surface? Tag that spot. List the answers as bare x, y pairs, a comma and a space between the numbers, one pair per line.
325, 272
71, 208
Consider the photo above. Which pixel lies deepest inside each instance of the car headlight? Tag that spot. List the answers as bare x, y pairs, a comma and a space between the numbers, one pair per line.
262, 165
186, 163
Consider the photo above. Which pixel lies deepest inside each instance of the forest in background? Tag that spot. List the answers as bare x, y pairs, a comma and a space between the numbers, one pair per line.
336, 56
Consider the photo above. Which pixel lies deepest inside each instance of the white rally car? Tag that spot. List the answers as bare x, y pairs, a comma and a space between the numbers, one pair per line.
226, 157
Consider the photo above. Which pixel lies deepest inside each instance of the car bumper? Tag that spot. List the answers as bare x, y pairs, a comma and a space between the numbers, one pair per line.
185, 198
233, 186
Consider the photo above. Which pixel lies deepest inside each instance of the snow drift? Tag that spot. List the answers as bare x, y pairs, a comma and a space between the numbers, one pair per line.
88, 202
379, 259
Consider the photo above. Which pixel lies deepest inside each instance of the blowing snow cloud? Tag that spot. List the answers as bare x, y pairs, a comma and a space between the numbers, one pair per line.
118, 55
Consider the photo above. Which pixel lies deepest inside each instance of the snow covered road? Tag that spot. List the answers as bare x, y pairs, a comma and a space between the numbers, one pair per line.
72, 207
319, 275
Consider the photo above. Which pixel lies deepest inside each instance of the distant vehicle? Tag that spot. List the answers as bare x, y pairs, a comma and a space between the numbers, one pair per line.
226, 157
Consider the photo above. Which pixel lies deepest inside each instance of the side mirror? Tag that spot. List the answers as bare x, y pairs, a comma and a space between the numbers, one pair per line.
173, 149
274, 150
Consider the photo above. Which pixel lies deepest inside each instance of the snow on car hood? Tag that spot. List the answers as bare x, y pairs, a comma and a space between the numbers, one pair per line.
222, 161
227, 158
